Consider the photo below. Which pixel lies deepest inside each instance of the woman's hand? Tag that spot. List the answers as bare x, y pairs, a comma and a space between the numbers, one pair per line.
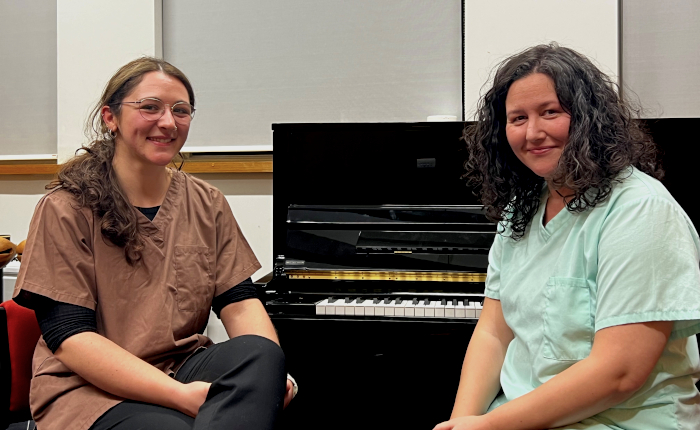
289, 394
192, 396
465, 423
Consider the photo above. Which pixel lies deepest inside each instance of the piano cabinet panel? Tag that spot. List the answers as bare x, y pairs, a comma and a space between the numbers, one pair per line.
356, 374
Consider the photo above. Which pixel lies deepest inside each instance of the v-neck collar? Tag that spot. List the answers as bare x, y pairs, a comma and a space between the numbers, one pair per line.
554, 224
155, 229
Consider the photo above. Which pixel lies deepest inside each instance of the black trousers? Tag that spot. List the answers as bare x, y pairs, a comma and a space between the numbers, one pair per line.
248, 382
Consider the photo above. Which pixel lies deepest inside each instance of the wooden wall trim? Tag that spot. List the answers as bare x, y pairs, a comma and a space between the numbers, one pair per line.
212, 164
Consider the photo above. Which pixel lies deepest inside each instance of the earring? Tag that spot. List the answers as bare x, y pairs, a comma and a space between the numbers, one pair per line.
113, 133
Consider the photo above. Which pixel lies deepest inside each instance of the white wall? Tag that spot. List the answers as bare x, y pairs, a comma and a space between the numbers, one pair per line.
18, 197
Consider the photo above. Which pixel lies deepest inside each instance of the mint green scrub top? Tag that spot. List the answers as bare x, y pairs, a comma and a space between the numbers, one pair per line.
631, 259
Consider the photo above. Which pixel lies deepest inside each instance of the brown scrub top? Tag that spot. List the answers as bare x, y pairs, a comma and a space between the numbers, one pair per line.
157, 309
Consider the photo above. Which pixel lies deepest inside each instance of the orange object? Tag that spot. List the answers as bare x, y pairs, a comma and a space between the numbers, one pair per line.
7, 251
20, 250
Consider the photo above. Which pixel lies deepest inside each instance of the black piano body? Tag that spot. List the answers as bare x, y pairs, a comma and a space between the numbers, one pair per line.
377, 218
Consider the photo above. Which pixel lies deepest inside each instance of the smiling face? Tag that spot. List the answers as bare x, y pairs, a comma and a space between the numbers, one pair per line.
143, 142
537, 127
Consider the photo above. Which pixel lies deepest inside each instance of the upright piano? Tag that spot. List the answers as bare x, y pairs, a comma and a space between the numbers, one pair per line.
380, 261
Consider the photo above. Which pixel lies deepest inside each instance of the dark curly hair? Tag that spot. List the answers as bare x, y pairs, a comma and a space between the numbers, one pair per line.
90, 176
604, 138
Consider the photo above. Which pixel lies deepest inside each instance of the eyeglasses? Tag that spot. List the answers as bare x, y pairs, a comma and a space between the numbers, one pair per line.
152, 109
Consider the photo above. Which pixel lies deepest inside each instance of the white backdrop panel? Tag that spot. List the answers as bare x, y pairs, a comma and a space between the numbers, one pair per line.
253, 63
497, 29
28, 78
661, 56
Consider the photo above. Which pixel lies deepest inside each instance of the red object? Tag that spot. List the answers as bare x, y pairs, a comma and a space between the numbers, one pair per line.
22, 333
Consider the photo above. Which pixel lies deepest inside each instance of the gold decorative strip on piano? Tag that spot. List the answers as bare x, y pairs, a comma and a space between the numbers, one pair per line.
369, 275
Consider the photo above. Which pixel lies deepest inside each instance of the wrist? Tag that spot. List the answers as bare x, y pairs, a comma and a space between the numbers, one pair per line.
176, 396
495, 421
295, 388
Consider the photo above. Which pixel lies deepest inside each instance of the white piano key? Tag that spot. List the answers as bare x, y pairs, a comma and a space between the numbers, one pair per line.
400, 308
460, 310
409, 309
369, 307
450, 309
440, 309
430, 309
479, 308
359, 306
471, 309
379, 309
321, 307
390, 308
420, 309
349, 307
330, 307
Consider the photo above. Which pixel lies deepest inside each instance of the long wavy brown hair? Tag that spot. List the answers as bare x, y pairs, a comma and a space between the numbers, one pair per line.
90, 177
604, 138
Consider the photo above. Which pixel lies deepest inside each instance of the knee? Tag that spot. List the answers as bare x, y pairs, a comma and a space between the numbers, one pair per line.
257, 352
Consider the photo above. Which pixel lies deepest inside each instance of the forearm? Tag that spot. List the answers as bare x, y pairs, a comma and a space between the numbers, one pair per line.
248, 317
480, 379
111, 368
583, 390
620, 362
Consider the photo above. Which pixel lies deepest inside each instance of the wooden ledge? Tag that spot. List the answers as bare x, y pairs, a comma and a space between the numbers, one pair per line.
256, 163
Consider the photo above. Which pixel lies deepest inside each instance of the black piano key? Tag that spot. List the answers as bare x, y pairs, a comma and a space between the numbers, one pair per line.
454, 302
426, 301
332, 300
443, 302
414, 301
348, 300
375, 301
399, 301
387, 301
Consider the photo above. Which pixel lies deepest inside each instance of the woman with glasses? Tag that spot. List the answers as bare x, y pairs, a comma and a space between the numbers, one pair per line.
124, 261
593, 287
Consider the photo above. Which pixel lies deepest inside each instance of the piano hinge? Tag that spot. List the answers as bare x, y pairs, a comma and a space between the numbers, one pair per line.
278, 270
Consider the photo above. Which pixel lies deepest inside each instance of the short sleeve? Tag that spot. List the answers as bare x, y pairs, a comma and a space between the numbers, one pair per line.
648, 267
235, 260
493, 273
58, 261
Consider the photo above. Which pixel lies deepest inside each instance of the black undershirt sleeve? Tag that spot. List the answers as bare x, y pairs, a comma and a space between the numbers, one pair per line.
58, 321
244, 290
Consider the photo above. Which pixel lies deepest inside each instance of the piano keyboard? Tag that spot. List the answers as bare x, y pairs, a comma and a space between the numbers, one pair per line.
396, 307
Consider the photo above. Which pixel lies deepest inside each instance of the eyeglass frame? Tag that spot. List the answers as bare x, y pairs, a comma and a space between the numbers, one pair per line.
172, 112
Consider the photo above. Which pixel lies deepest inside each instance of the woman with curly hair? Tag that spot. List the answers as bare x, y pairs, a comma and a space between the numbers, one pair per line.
593, 287
125, 259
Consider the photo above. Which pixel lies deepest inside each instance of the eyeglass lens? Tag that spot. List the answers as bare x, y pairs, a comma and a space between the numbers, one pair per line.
154, 109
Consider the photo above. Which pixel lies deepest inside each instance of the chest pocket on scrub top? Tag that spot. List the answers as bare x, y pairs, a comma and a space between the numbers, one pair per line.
568, 325
193, 277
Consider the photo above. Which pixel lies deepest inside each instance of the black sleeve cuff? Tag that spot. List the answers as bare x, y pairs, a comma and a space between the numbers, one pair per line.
58, 321
244, 290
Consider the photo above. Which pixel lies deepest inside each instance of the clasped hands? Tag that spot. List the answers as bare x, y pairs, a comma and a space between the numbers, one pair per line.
195, 394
